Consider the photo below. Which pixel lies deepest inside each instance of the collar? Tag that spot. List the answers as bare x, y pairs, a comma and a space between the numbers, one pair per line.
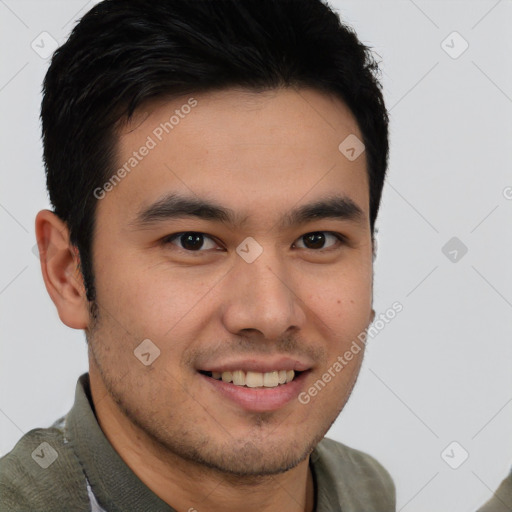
115, 485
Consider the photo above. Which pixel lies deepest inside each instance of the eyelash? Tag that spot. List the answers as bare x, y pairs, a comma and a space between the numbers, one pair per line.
170, 238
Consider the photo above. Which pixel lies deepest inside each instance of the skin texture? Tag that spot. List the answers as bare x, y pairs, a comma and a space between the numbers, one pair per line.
261, 155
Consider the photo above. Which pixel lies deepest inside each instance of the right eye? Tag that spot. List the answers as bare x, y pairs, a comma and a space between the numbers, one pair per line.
191, 241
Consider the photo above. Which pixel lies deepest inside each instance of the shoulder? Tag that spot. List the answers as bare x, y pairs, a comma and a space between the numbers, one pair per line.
41, 472
354, 472
342, 457
502, 498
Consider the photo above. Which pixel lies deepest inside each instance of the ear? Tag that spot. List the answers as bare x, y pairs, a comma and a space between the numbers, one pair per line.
374, 245
372, 316
60, 268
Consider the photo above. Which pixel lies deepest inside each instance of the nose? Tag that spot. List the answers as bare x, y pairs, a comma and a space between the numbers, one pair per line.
262, 296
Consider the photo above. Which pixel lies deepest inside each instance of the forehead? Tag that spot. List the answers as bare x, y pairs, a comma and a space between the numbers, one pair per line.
246, 150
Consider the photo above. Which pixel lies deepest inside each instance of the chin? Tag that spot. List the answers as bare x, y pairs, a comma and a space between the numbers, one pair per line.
250, 458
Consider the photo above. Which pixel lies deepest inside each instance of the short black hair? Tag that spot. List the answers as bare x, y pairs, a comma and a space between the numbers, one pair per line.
125, 52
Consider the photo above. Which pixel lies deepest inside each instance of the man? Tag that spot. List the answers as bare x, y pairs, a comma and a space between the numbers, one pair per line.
216, 169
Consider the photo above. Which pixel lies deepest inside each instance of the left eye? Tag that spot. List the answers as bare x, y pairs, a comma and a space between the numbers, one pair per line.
316, 240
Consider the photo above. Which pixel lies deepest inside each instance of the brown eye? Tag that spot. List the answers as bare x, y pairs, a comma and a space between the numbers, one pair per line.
191, 241
317, 239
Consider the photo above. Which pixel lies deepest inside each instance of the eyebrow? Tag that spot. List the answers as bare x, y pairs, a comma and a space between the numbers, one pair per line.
176, 206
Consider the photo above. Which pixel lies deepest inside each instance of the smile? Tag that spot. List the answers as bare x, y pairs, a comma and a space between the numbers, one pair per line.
252, 379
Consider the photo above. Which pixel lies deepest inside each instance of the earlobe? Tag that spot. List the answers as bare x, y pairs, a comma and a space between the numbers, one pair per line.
60, 268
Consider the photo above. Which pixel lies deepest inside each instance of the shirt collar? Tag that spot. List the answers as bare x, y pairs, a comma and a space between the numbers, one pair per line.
114, 484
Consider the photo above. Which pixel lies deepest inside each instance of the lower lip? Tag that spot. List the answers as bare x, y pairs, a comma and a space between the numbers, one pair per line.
259, 399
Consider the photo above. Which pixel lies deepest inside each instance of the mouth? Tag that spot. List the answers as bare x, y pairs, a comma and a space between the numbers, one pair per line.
255, 391
251, 379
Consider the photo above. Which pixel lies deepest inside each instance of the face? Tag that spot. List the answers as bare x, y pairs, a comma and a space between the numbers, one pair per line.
245, 304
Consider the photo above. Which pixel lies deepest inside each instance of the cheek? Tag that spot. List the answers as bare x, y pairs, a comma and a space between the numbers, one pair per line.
155, 302
344, 299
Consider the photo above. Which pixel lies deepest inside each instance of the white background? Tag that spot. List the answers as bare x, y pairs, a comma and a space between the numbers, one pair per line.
441, 371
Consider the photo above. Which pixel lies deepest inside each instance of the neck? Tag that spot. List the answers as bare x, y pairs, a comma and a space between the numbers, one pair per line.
186, 485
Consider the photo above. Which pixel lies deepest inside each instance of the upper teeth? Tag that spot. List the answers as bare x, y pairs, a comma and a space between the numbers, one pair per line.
256, 379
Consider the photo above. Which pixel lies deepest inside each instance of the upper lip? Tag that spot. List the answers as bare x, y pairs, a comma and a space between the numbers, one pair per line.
255, 364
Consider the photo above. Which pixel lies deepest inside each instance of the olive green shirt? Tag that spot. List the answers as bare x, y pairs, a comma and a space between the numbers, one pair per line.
502, 498
72, 467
